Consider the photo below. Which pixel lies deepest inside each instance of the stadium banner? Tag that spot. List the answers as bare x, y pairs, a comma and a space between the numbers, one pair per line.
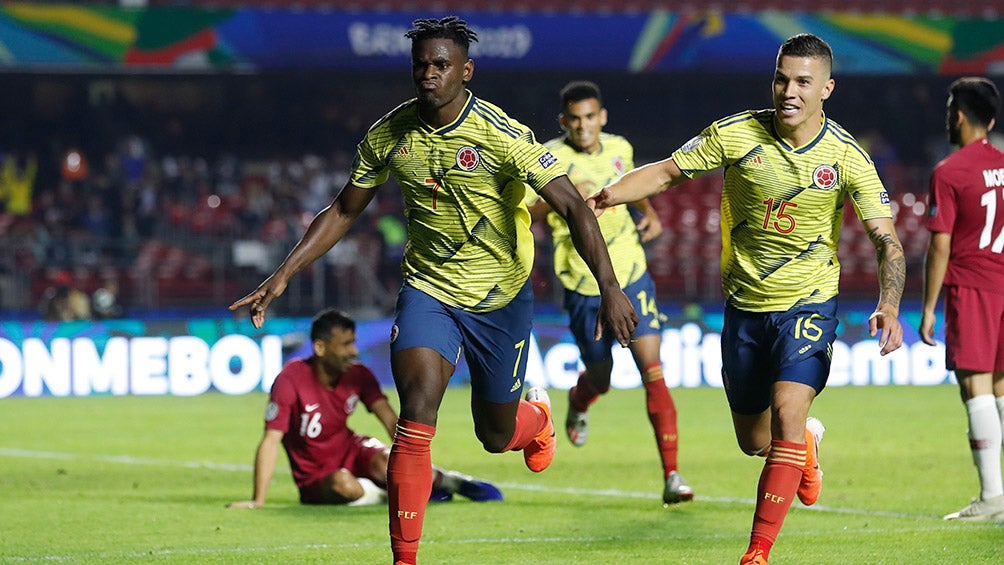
80, 38
184, 358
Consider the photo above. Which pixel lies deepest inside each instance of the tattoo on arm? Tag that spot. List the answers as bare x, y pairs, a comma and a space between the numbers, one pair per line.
891, 266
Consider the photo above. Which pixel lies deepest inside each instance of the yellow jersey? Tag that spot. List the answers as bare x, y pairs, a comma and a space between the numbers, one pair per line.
469, 239
782, 206
590, 172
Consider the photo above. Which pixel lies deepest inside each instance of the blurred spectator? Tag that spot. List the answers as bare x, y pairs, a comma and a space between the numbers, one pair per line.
17, 183
62, 302
105, 300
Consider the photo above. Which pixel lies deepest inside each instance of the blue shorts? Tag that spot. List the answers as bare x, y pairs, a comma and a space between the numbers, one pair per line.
583, 310
494, 344
761, 348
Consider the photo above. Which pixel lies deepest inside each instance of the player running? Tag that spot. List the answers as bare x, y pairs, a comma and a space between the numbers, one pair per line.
593, 158
463, 166
788, 172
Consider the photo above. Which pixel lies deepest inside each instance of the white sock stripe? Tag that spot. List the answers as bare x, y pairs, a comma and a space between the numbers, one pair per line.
411, 432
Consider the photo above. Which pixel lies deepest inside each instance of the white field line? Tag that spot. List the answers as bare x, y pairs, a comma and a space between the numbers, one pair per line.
244, 468
249, 551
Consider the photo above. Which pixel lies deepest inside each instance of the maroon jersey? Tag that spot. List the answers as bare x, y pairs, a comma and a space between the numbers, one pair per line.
967, 201
313, 417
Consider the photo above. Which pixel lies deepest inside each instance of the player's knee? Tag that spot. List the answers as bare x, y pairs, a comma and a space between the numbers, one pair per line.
345, 485
493, 441
754, 449
597, 379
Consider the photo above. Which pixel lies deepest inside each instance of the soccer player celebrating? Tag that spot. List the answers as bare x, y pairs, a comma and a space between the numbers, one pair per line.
787, 173
463, 166
966, 220
309, 404
593, 158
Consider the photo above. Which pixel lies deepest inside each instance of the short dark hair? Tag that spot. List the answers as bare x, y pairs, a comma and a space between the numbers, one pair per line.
579, 90
327, 320
977, 98
806, 45
450, 27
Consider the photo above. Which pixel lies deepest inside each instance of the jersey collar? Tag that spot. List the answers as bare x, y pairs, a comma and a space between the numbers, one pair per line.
456, 122
571, 146
805, 148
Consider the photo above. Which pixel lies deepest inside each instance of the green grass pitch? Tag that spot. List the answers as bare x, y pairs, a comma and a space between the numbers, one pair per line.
146, 480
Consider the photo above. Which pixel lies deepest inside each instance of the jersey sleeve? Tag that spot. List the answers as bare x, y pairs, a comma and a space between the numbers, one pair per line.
703, 153
530, 161
369, 387
868, 195
941, 209
369, 170
554, 147
281, 403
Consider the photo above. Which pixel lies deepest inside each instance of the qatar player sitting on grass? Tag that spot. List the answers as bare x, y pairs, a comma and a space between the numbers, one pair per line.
309, 404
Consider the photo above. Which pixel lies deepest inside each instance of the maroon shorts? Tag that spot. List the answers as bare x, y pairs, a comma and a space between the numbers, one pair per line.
357, 459
974, 330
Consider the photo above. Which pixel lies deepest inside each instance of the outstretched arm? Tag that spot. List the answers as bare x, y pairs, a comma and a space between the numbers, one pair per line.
264, 468
892, 279
615, 309
934, 276
647, 180
324, 231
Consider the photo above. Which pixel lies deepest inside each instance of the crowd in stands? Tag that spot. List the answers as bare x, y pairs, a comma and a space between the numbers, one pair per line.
178, 230
172, 219
173, 222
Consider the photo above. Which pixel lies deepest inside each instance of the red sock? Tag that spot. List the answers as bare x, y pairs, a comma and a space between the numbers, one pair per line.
409, 483
530, 421
662, 414
776, 490
583, 394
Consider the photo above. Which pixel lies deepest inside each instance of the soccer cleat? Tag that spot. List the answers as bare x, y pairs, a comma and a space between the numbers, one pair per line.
754, 556
576, 424
440, 495
991, 509
539, 454
469, 487
812, 475
450, 482
480, 491
676, 490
